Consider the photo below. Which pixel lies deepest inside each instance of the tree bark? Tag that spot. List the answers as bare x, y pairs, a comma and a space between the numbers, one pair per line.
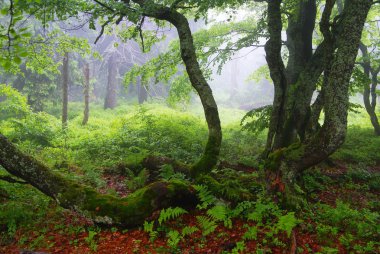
198, 81
105, 209
111, 93
65, 89
86, 91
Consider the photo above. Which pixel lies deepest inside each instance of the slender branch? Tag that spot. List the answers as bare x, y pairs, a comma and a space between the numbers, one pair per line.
103, 26
104, 5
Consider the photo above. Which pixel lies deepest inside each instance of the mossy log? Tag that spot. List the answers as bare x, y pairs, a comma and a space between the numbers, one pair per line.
125, 212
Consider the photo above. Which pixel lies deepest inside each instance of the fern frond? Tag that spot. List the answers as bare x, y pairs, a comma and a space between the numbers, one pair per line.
188, 230
174, 238
207, 225
218, 212
170, 213
205, 196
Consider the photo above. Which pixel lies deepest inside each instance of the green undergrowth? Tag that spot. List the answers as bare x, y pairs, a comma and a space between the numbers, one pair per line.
343, 201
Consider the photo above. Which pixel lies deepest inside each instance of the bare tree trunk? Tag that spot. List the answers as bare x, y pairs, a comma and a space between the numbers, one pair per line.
369, 93
106, 209
65, 89
111, 94
142, 93
86, 91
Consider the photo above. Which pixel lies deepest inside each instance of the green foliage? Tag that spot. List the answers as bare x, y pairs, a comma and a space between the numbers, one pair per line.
364, 223
189, 230
205, 196
174, 238
149, 228
138, 181
240, 247
286, 223
360, 145
251, 233
167, 173
12, 103
206, 225
170, 213
260, 119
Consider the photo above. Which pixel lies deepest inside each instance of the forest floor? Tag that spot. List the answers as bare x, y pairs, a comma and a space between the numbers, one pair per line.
341, 197
68, 232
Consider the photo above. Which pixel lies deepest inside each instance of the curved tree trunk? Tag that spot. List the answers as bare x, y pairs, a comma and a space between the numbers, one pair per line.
86, 91
106, 209
198, 81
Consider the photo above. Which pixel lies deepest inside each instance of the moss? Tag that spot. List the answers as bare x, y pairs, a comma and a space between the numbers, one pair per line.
274, 159
208, 159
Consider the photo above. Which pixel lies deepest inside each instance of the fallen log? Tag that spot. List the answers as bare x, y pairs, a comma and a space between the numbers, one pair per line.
106, 209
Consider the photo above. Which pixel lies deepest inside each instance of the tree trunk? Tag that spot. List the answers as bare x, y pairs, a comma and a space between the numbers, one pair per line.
105, 209
86, 92
111, 94
369, 93
65, 89
198, 81
142, 93
286, 164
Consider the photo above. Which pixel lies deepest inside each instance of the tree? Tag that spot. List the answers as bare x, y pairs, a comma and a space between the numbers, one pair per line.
295, 84
65, 89
86, 92
111, 94
134, 209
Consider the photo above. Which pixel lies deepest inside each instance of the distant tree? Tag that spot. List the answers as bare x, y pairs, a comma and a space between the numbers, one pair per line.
65, 89
86, 92
111, 92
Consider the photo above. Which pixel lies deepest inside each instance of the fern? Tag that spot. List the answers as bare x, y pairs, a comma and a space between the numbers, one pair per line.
174, 238
263, 210
241, 208
286, 223
188, 230
167, 173
221, 213
240, 247
136, 181
207, 225
205, 196
170, 213
218, 212
149, 228
251, 234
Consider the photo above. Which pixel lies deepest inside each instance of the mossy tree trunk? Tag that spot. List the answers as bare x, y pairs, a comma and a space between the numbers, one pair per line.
125, 212
197, 79
335, 57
